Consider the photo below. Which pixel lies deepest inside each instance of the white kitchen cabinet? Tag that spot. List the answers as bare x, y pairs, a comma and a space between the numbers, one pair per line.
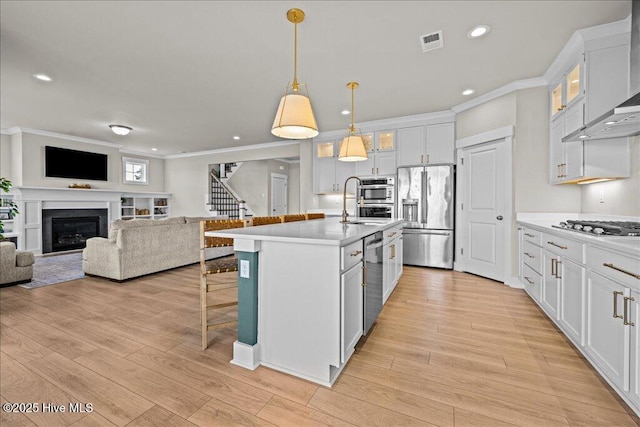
588, 86
381, 150
634, 324
607, 338
392, 260
421, 145
386, 276
550, 283
571, 311
351, 310
329, 172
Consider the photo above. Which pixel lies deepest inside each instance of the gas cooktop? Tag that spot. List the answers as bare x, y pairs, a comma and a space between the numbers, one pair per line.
602, 228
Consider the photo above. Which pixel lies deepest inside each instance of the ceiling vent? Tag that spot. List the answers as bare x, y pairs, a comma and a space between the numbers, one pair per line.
431, 41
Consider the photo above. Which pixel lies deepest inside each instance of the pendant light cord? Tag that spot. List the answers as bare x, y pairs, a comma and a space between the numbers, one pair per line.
353, 110
295, 57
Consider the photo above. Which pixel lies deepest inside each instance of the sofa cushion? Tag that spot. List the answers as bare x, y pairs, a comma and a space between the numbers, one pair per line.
24, 258
121, 224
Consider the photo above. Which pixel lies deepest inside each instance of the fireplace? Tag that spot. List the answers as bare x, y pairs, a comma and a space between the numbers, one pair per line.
67, 229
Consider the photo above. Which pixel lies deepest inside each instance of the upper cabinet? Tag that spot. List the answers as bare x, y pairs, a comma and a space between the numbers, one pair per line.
329, 172
381, 149
591, 82
422, 145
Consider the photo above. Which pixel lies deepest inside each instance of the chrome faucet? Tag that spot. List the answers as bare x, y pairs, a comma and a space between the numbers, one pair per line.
344, 199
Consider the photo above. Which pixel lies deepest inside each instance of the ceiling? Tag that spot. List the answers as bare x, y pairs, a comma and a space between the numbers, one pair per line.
189, 75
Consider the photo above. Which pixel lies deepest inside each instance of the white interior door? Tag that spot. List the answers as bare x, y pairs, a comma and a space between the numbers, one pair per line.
483, 175
278, 194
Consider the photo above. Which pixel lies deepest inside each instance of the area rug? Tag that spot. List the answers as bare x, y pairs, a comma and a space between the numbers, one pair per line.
50, 270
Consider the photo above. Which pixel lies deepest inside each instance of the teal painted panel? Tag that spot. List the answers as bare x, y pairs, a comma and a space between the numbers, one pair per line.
248, 299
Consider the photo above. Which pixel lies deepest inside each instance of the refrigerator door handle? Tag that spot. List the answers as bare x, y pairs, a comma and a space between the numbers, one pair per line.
423, 195
426, 231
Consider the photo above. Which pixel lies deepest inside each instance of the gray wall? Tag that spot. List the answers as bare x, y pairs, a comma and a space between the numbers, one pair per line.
621, 197
26, 167
5, 156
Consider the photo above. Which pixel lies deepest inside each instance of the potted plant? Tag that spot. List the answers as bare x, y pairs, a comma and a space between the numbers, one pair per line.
8, 209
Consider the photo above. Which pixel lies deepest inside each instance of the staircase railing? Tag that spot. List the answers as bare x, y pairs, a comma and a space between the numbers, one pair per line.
224, 201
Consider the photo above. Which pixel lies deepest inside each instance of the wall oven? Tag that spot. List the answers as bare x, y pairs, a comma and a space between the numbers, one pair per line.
377, 190
376, 197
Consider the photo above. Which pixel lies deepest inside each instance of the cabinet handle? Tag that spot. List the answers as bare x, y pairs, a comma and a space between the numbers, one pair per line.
529, 255
607, 264
626, 311
372, 172
615, 305
558, 175
564, 170
558, 269
356, 253
364, 275
421, 158
529, 235
531, 282
393, 252
557, 245
554, 267
427, 158
391, 234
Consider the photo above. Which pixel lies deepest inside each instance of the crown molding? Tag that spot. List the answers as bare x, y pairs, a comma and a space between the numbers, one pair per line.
232, 149
501, 91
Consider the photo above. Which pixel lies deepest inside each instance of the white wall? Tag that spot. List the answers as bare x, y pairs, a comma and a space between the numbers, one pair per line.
27, 164
5, 156
250, 183
186, 177
293, 203
621, 197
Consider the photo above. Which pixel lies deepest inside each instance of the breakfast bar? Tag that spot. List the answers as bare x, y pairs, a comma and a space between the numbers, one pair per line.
300, 294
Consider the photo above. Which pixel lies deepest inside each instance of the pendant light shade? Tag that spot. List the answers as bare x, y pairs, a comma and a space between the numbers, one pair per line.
294, 118
352, 148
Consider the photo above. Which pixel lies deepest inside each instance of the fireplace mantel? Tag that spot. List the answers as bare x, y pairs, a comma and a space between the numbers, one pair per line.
32, 201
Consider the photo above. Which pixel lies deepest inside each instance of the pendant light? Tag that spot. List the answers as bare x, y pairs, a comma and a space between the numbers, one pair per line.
294, 118
352, 147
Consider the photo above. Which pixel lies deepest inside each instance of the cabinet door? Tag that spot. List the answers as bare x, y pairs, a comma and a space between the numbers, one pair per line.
572, 300
324, 150
440, 143
607, 338
573, 160
633, 315
351, 317
366, 167
411, 143
325, 175
343, 171
557, 98
386, 163
386, 278
573, 82
550, 283
607, 78
556, 151
386, 141
399, 258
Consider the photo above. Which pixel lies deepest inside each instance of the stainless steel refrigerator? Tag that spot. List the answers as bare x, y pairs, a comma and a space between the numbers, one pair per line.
426, 202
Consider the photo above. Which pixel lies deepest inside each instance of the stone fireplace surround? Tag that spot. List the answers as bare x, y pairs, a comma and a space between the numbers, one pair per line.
32, 201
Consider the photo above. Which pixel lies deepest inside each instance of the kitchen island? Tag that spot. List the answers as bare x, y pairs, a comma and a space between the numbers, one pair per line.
300, 294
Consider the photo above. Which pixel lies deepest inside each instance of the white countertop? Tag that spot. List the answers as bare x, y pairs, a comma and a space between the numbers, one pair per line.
328, 231
544, 222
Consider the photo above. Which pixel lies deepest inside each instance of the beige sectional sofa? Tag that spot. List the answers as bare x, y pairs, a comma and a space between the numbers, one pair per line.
142, 246
15, 266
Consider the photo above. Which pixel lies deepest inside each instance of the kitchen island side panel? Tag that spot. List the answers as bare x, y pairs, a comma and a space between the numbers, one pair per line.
299, 317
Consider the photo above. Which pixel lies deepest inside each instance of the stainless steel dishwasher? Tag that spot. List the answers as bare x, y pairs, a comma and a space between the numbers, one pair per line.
373, 279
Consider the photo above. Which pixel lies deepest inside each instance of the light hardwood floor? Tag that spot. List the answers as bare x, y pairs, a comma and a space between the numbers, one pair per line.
449, 349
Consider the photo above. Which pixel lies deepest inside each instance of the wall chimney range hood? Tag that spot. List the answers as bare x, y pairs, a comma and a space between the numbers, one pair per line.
623, 120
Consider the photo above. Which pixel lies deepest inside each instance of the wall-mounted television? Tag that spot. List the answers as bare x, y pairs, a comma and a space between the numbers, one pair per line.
65, 163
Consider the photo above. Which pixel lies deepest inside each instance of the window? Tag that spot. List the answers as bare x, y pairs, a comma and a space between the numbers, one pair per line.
135, 171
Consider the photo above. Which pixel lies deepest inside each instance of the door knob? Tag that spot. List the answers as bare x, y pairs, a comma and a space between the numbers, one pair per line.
499, 217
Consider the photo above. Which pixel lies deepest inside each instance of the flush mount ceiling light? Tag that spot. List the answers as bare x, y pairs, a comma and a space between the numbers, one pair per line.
468, 92
120, 129
478, 31
43, 77
294, 118
352, 147
345, 112
236, 137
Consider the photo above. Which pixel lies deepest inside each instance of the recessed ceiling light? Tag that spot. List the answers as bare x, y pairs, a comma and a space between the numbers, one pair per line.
610, 123
120, 129
236, 137
478, 31
42, 77
154, 149
583, 136
345, 112
468, 92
